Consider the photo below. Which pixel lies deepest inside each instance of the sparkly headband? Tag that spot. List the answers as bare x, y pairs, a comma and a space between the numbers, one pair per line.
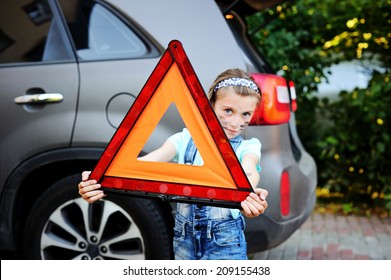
236, 82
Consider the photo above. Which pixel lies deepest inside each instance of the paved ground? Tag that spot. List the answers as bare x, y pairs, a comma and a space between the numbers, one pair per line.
331, 237
334, 237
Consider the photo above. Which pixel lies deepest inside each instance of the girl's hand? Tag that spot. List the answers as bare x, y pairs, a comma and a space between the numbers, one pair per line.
255, 204
89, 189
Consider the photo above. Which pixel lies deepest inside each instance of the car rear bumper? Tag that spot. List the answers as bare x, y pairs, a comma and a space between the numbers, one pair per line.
264, 232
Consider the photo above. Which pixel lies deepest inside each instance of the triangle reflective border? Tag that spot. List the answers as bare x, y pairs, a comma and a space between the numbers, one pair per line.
220, 181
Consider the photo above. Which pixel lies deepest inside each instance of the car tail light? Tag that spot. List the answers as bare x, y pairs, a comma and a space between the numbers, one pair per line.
285, 194
292, 92
275, 105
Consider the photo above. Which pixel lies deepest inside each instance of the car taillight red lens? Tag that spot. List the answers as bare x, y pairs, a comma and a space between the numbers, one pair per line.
276, 102
285, 194
292, 92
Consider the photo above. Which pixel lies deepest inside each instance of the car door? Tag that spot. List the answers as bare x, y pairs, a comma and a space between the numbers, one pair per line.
115, 59
38, 82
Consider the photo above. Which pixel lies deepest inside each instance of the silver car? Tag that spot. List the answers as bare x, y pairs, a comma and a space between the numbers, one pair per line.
69, 72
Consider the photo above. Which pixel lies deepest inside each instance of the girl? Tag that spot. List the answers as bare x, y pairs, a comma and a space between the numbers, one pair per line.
208, 232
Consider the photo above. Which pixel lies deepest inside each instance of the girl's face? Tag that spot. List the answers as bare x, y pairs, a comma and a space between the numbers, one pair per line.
234, 111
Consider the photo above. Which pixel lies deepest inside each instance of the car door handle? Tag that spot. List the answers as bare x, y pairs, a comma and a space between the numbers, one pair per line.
39, 98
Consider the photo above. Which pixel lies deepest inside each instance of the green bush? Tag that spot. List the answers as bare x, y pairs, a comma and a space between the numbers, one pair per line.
349, 138
354, 150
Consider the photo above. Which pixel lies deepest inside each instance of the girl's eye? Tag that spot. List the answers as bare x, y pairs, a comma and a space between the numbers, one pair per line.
228, 111
247, 114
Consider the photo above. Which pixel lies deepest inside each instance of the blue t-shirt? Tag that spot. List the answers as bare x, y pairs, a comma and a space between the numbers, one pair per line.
181, 140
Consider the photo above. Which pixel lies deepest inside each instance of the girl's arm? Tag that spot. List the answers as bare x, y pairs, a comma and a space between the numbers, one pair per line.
163, 154
249, 164
255, 204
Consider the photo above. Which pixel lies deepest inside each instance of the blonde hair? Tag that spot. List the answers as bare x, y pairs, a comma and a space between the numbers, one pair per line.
239, 89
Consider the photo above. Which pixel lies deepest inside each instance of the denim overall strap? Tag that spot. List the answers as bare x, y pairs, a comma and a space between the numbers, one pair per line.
207, 232
191, 149
190, 153
235, 142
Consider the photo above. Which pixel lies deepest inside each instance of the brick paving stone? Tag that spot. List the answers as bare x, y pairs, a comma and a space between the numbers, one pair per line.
289, 255
376, 251
362, 257
318, 240
387, 253
332, 251
362, 248
303, 255
385, 243
317, 253
333, 237
291, 247
353, 223
276, 253
307, 224
346, 254
388, 229
264, 255
368, 231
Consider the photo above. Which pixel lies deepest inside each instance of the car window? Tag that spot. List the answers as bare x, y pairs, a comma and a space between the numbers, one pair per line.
29, 32
98, 34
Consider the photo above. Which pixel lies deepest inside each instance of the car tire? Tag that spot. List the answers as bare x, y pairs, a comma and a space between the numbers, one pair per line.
61, 225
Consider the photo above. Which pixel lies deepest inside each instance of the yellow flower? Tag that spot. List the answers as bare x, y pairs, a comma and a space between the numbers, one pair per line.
367, 36
352, 23
363, 45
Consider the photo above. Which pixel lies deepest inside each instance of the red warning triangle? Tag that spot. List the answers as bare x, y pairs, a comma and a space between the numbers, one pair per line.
219, 181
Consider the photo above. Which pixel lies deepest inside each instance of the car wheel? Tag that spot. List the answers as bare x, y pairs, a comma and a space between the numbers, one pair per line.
61, 225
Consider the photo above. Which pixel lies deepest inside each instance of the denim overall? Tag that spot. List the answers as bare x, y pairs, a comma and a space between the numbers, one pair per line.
206, 232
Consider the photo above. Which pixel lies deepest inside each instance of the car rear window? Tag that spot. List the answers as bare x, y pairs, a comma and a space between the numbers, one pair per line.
99, 34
